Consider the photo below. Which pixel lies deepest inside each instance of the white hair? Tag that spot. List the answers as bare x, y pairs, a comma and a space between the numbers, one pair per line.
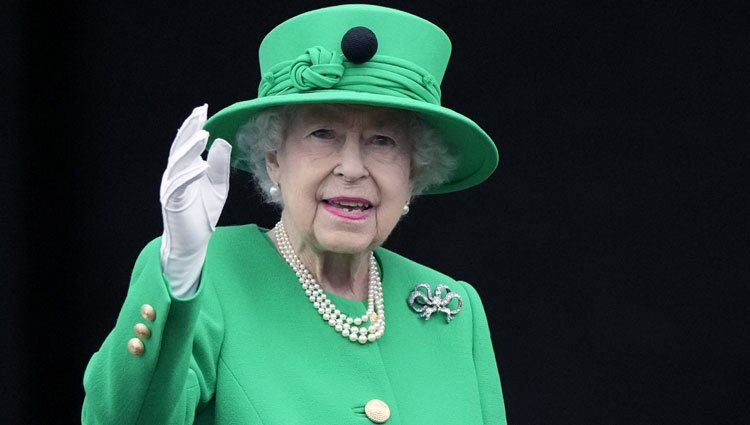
431, 163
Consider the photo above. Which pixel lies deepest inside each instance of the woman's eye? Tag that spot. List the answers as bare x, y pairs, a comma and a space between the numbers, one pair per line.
383, 141
323, 134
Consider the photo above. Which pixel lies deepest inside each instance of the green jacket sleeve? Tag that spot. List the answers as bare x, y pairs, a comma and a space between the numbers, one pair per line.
175, 375
488, 378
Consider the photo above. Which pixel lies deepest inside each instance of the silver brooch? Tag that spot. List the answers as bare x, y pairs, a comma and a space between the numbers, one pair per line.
425, 303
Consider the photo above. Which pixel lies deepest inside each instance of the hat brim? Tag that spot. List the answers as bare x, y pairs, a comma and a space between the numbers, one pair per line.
474, 150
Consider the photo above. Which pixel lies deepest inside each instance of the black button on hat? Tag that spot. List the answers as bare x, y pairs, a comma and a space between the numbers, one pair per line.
359, 44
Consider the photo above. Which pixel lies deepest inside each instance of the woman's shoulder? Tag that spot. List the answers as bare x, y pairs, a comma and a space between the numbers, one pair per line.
392, 262
409, 272
229, 232
234, 237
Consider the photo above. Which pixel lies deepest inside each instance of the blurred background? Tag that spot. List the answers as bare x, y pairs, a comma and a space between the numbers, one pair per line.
610, 247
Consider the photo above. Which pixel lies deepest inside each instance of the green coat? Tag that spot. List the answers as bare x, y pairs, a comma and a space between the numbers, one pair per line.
249, 348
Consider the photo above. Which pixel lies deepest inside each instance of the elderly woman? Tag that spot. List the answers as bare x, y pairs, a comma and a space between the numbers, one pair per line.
289, 326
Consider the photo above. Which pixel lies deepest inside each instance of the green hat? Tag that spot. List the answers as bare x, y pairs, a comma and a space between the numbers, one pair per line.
369, 55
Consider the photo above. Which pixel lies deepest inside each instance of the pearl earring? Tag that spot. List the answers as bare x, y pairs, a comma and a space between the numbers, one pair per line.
274, 190
406, 209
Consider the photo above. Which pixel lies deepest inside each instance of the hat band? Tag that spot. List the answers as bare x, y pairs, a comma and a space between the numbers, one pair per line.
319, 68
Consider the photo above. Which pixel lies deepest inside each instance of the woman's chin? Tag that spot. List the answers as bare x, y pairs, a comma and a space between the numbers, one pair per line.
346, 239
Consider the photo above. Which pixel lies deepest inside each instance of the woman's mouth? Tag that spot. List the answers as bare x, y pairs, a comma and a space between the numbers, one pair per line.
348, 208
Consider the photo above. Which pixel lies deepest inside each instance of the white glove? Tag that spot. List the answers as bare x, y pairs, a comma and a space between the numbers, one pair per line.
192, 195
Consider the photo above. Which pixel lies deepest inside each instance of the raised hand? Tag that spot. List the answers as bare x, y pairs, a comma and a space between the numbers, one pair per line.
192, 195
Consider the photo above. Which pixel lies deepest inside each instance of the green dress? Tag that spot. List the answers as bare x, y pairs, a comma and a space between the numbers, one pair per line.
249, 348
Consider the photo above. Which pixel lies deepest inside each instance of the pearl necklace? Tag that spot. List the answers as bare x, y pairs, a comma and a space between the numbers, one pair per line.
354, 328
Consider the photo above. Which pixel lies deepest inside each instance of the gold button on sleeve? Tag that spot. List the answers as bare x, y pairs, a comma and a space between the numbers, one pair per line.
377, 411
142, 331
135, 346
148, 312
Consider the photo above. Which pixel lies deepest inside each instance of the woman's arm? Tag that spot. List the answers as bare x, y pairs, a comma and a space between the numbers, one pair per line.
162, 371
175, 374
488, 378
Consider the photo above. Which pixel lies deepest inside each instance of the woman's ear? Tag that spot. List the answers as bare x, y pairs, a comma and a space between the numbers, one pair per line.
272, 166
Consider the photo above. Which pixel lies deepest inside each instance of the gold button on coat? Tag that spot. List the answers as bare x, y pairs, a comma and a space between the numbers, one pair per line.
142, 331
377, 411
148, 312
135, 346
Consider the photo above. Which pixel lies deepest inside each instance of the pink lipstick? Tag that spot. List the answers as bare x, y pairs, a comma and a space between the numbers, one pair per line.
348, 208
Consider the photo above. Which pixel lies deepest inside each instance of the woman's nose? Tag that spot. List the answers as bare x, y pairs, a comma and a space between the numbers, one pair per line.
351, 165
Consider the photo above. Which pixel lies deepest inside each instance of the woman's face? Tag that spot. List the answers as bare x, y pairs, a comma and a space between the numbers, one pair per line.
344, 175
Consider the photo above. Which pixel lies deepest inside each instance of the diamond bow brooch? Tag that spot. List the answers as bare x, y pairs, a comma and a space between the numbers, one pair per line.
422, 300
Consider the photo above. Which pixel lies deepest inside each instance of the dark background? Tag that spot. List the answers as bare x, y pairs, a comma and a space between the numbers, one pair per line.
610, 247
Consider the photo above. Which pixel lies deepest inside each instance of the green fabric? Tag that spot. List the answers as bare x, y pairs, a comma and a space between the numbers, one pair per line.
319, 68
399, 34
248, 348
301, 62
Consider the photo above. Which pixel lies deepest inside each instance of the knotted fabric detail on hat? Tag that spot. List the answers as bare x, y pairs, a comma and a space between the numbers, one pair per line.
319, 69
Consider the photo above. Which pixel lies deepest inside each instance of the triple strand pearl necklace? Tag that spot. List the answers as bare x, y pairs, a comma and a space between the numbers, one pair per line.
354, 328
